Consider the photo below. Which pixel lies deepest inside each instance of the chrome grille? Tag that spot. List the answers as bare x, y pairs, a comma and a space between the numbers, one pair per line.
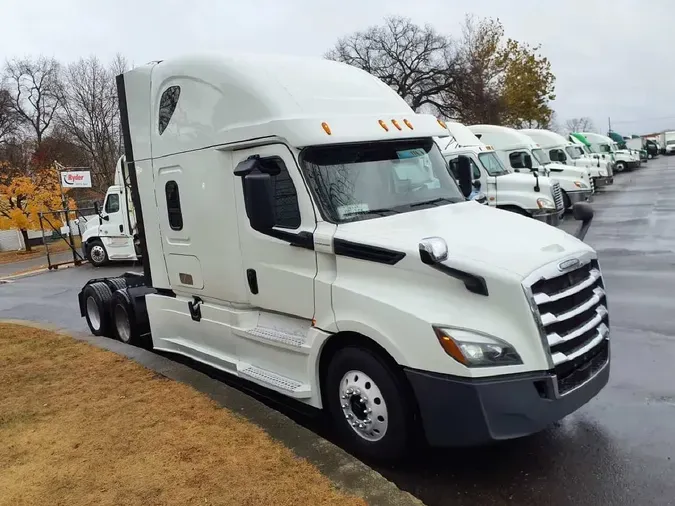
557, 196
571, 309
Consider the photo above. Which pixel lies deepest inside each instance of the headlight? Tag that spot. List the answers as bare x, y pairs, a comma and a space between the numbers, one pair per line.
580, 184
545, 203
603, 173
476, 350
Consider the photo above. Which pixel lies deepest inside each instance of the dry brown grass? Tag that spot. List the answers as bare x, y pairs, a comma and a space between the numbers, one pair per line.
8, 257
83, 426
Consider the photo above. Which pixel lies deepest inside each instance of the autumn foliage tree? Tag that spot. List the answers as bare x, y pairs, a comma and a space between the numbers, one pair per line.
24, 197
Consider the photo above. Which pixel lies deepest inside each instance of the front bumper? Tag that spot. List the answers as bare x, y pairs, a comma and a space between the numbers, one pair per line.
634, 164
550, 217
469, 412
579, 196
603, 181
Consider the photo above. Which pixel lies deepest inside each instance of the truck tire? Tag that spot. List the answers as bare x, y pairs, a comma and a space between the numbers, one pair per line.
368, 404
97, 297
620, 167
123, 319
566, 200
116, 284
96, 253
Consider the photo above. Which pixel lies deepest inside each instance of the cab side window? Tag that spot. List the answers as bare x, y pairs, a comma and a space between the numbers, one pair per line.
112, 204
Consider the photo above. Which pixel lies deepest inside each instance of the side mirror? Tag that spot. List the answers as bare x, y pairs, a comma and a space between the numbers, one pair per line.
476, 184
258, 197
105, 218
527, 161
97, 210
465, 175
583, 212
258, 194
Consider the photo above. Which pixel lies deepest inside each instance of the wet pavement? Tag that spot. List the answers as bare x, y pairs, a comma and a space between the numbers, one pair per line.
617, 450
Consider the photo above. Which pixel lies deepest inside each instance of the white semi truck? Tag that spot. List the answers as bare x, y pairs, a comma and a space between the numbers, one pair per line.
112, 234
563, 151
603, 145
514, 146
285, 242
527, 194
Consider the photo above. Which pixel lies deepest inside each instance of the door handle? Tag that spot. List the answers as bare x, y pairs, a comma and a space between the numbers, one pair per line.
121, 229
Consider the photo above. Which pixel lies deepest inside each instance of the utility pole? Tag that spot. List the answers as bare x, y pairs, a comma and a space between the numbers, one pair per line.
609, 124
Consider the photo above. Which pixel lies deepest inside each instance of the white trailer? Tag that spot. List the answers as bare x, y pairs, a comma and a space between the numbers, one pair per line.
527, 194
667, 142
563, 151
514, 146
293, 236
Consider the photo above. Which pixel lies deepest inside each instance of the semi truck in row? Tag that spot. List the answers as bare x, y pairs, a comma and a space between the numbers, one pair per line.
299, 229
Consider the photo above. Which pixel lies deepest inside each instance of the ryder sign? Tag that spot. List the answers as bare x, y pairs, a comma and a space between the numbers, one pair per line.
76, 179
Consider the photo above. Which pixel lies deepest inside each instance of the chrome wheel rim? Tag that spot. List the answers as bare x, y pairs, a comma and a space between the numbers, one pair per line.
93, 314
363, 406
122, 324
97, 254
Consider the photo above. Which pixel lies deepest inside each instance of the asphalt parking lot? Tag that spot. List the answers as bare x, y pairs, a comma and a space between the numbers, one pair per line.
617, 450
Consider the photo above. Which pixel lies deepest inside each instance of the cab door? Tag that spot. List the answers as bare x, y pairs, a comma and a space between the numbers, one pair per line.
280, 267
113, 229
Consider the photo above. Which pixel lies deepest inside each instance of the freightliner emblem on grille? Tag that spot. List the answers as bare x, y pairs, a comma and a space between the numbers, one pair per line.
566, 265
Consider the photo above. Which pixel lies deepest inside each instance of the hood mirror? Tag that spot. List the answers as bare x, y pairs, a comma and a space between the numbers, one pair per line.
583, 212
433, 250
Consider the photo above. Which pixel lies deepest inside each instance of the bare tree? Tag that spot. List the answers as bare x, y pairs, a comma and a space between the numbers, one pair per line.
90, 114
583, 124
34, 87
9, 122
415, 61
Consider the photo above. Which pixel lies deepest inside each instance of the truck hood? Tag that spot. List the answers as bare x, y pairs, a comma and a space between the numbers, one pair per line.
567, 170
478, 236
523, 181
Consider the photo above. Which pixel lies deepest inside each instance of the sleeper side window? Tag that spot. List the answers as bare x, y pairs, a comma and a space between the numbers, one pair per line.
173, 205
112, 204
167, 105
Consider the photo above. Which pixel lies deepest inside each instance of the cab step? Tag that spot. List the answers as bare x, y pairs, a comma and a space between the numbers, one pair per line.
274, 381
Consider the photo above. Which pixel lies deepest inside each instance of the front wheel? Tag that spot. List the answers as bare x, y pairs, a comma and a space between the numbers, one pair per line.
96, 253
566, 200
620, 167
368, 404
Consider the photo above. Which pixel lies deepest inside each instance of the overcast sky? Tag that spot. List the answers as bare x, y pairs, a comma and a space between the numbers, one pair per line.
611, 58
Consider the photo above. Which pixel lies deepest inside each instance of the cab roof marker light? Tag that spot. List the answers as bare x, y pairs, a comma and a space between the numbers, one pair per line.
395, 123
442, 123
326, 128
408, 124
383, 125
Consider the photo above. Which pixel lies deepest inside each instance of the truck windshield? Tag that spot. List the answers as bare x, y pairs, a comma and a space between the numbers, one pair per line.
573, 152
604, 148
541, 156
670, 143
492, 164
366, 180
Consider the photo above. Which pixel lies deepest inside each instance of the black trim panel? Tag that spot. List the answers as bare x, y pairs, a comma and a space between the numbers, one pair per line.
300, 239
129, 158
472, 282
367, 252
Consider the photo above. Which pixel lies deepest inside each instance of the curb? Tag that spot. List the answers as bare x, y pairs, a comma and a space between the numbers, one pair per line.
345, 471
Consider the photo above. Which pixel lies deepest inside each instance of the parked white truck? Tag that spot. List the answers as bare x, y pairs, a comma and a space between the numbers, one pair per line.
623, 158
526, 194
281, 245
667, 142
513, 146
113, 234
563, 151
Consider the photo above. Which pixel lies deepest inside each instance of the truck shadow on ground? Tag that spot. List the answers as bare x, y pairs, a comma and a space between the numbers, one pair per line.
569, 463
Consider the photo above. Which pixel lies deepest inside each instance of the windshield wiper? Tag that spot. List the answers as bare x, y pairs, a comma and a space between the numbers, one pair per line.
435, 201
377, 212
